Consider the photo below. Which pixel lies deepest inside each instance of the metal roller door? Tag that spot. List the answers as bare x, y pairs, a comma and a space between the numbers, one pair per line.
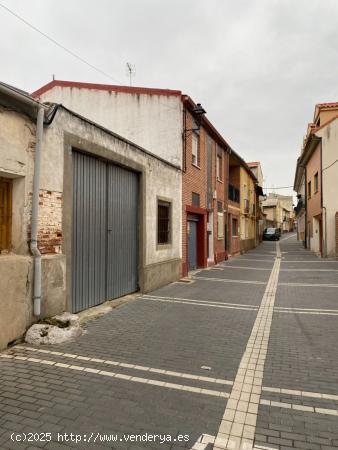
105, 232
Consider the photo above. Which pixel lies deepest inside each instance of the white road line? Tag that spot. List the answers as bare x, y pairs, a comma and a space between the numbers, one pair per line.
225, 280
311, 409
317, 395
169, 373
122, 376
126, 365
288, 237
309, 270
204, 301
237, 428
199, 304
277, 310
270, 261
291, 261
240, 267
306, 309
308, 285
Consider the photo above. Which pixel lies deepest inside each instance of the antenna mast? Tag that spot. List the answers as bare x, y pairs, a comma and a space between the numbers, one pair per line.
131, 70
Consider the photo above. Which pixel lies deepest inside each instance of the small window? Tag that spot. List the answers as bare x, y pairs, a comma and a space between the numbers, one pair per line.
315, 182
5, 213
163, 222
195, 199
234, 227
195, 157
309, 189
219, 165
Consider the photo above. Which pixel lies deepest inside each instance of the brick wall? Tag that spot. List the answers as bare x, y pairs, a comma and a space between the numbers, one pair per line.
195, 180
50, 222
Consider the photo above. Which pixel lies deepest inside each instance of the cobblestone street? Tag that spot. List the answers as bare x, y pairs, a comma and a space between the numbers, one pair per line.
243, 356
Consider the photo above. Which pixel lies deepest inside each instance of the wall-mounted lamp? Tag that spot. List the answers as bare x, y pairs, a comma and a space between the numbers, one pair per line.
197, 112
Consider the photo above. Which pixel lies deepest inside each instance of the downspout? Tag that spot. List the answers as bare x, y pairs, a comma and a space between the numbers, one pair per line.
305, 198
35, 209
324, 247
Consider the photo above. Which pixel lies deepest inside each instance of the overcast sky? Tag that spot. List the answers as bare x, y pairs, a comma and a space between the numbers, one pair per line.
257, 66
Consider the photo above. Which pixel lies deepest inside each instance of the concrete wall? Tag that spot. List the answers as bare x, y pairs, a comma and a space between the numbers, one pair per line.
151, 121
17, 145
158, 265
329, 136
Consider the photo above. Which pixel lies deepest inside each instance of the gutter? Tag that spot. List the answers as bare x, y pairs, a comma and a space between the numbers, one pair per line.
35, 209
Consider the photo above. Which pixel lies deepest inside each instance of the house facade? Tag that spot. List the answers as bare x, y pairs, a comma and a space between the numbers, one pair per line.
248, 209
100, 199
176, 133
316, 182
204, 180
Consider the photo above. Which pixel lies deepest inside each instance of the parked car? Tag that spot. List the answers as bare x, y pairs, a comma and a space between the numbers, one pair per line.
271, 234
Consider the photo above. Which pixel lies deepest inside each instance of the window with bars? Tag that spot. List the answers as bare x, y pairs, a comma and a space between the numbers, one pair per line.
163, 222
5, 213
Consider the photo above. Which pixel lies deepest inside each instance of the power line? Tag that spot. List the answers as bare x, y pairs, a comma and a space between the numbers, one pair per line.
102, 72
327, 167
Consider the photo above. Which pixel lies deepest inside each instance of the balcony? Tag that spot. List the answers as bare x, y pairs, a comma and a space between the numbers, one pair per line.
234, 194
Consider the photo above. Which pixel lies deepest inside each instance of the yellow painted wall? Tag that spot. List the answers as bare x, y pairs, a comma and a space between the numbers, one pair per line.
247, 192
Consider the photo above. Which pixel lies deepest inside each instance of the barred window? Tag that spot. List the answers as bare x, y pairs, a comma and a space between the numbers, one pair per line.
163, 222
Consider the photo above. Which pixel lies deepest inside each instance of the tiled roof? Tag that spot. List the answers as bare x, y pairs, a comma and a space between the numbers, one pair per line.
253, 164
327, 105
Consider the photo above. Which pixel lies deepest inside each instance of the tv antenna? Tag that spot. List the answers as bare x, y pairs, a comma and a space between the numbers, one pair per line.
131, 71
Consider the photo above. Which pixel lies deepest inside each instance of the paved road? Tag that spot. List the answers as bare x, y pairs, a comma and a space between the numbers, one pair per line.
244, 356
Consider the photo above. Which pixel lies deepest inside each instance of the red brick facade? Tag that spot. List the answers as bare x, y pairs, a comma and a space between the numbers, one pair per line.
195, 180
50, 222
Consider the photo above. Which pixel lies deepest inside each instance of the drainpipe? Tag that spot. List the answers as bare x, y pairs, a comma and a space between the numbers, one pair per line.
35, 209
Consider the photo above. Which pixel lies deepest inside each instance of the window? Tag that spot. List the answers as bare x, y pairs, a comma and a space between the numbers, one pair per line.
5, 213
233, 194
220, 223
309, 189
163, 222
315, 182
195, 200
219, 164
195, 157
234, 227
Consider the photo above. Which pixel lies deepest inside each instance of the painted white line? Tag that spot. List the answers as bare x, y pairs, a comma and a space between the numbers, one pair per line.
277, 310
309, 285
240, 267
291, 261
237, 429
204, 301
225, 280
306, 309
288, 237
125, 365
309, 270
85, 370
300, 393
199, 304
310, 409
239, 258
170, 373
